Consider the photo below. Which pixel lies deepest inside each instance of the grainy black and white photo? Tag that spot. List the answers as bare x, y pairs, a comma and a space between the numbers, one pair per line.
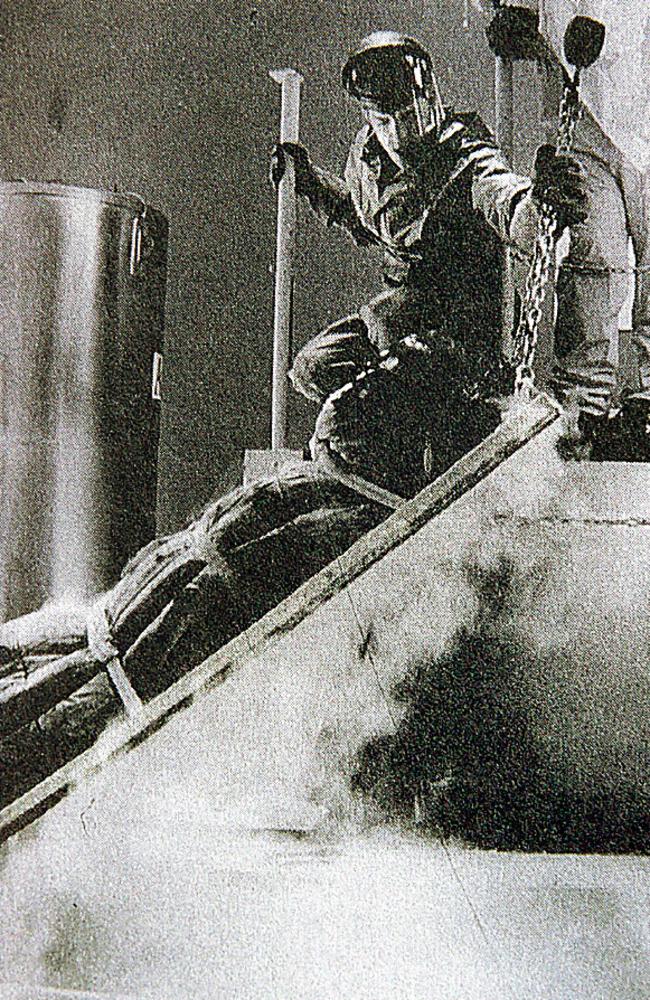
325, 500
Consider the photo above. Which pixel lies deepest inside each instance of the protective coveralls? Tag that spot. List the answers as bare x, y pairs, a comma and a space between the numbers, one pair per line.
594, 282
441, 218
441, 201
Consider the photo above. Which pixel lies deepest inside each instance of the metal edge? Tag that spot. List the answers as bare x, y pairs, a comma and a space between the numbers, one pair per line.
56, 189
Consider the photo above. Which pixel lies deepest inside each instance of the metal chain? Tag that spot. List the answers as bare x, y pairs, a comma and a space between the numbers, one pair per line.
541, 269
537, 282
570, 115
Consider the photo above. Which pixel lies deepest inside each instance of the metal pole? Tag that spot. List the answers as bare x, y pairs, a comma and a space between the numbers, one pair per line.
290, 82
504, 104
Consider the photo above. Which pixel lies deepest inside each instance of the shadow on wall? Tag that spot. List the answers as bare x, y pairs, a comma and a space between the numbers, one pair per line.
463, 763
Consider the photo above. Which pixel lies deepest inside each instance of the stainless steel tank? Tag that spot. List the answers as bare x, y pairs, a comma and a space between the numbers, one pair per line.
82, 288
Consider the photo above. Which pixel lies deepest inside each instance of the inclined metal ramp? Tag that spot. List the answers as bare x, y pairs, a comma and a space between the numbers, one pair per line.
142, 719
579, 529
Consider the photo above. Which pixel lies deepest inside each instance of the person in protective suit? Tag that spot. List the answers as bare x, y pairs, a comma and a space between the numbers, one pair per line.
593, 280
431, 188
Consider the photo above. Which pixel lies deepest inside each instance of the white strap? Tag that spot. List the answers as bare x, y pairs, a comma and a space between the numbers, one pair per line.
357, 483
102, 648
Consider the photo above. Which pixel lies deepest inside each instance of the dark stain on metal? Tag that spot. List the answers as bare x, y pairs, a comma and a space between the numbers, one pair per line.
30, 815
367, 643
159, 722
464, 752
57, 109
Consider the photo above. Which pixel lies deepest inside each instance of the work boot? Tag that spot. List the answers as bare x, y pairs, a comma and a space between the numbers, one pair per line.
624, 437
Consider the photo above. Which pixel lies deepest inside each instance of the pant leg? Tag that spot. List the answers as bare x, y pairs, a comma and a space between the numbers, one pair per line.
397, 313
338, 354
333, 358
637, 191
591, 290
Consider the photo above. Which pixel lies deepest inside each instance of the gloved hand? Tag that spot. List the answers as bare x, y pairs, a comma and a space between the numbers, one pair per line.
559, 181
301, 163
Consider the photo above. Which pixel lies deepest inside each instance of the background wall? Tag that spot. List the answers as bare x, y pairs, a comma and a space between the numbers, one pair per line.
173, 101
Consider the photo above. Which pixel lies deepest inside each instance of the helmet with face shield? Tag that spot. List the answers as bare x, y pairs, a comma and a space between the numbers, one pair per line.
392, 74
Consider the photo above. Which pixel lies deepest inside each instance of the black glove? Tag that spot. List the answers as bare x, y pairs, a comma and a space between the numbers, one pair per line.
301, 163
513, 33
559, 181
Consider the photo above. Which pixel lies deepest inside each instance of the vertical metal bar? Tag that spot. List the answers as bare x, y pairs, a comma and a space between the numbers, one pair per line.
504, 104
290, 82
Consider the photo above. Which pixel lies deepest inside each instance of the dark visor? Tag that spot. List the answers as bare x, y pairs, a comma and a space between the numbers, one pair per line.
382, 76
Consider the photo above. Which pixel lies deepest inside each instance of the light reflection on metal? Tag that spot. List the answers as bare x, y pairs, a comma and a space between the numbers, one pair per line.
79, 430
156, 376
136, 243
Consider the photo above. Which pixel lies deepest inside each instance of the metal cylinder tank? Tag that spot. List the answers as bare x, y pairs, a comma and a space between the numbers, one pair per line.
82, 288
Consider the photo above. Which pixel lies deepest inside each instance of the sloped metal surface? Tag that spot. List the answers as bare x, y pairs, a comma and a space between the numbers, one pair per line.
372, 549
523, 583
229, 853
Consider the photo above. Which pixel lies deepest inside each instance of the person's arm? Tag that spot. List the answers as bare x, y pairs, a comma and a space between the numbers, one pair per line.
328, 195
503, 197
509, 201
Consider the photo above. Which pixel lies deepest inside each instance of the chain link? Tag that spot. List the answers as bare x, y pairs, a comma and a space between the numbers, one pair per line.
570, 115
537, 282
542, 266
